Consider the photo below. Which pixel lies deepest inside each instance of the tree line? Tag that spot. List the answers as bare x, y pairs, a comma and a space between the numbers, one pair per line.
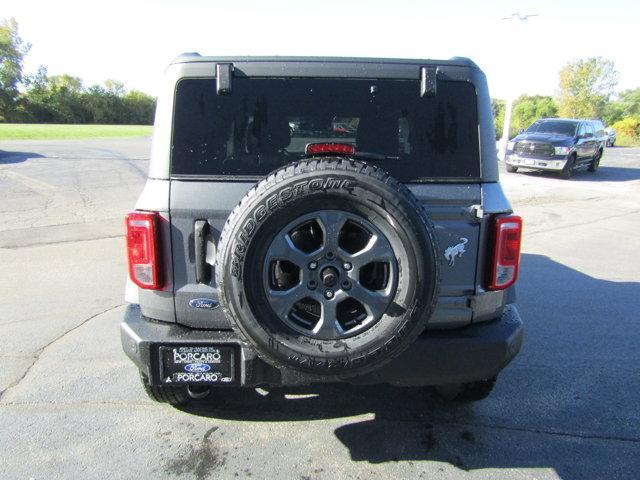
586, 90
44, 98
622, 113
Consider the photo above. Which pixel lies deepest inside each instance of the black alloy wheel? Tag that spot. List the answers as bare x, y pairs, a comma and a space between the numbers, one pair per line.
330, 274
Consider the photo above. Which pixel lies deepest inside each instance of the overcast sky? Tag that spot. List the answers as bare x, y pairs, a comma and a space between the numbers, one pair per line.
133, 40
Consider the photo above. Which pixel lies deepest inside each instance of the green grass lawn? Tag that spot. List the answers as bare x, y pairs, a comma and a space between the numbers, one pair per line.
23, 131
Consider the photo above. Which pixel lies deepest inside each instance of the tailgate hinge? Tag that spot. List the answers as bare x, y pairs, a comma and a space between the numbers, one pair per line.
428, 81
224, 74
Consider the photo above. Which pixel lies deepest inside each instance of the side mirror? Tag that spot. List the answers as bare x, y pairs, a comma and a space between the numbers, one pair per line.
520, 130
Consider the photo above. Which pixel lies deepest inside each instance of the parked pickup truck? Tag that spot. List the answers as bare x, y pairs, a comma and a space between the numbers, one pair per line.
559, 145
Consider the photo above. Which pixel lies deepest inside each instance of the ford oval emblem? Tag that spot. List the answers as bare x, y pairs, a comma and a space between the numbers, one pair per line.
197, 367
205, 303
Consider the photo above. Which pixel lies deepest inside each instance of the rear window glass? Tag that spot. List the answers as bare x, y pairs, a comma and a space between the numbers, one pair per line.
267, 122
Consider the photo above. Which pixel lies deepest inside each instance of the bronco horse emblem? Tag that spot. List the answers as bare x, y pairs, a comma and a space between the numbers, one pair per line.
455, 251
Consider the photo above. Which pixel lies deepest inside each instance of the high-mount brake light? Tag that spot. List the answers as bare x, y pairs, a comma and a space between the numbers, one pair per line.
506, 253
329, 148
143, 249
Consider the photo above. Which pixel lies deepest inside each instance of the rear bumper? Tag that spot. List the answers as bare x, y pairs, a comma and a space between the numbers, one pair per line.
468, 354
555, 163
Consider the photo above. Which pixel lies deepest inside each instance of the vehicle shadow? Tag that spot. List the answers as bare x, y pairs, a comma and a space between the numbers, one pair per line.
541, 415
607, 173
7, 157
315, 402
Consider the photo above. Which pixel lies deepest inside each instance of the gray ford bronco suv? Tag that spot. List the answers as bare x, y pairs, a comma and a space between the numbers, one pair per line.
310, 220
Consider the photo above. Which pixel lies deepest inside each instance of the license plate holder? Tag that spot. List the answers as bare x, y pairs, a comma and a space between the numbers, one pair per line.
197, 364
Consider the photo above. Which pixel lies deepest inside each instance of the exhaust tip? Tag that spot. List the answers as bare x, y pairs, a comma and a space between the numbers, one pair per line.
198, 392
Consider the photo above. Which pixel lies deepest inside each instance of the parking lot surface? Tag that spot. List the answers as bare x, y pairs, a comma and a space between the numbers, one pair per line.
71, 405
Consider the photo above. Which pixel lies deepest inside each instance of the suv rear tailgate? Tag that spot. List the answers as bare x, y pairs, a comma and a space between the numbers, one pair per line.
450, 206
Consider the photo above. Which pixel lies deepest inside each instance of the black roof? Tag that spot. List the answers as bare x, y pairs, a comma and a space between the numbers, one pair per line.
194, 57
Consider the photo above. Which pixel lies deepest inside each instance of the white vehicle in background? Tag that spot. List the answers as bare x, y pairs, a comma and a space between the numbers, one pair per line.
610, 136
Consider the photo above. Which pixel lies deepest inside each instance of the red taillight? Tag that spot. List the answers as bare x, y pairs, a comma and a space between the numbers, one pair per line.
143, 249
506, 256
329, 148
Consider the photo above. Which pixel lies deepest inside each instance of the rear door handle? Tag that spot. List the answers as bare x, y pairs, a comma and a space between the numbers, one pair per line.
200, 231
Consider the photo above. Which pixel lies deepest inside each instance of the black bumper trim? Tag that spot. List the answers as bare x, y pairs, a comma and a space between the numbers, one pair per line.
476, 352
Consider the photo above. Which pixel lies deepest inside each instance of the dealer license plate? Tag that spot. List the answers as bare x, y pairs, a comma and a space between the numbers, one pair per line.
197, 364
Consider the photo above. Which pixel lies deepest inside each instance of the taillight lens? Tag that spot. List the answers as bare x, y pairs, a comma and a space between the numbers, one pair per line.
506, 256
143, 249
329, 148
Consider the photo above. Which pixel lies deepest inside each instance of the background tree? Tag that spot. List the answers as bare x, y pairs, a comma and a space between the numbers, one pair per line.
12, 52
628, 127
527, 109
585, 90
585, 87
114, 87
627, 105
64, 99
106, 103
628, 130
55, 99
630, 100
45, 98
139, 108
498, 106
613, 112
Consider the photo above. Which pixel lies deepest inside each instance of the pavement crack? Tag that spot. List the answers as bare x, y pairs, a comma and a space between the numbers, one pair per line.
57, 242
558, 433
38, 353
74, 404
127, 160
580, 224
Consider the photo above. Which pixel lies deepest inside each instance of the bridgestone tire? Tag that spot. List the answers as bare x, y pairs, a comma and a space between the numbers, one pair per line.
303, 188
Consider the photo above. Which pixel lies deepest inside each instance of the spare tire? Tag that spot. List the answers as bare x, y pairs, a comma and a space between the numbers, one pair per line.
328, 266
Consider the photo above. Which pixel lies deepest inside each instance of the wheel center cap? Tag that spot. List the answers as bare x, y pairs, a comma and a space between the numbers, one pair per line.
329, 276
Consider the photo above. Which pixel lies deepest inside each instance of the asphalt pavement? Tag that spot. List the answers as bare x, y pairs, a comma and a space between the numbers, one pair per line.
71, 405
